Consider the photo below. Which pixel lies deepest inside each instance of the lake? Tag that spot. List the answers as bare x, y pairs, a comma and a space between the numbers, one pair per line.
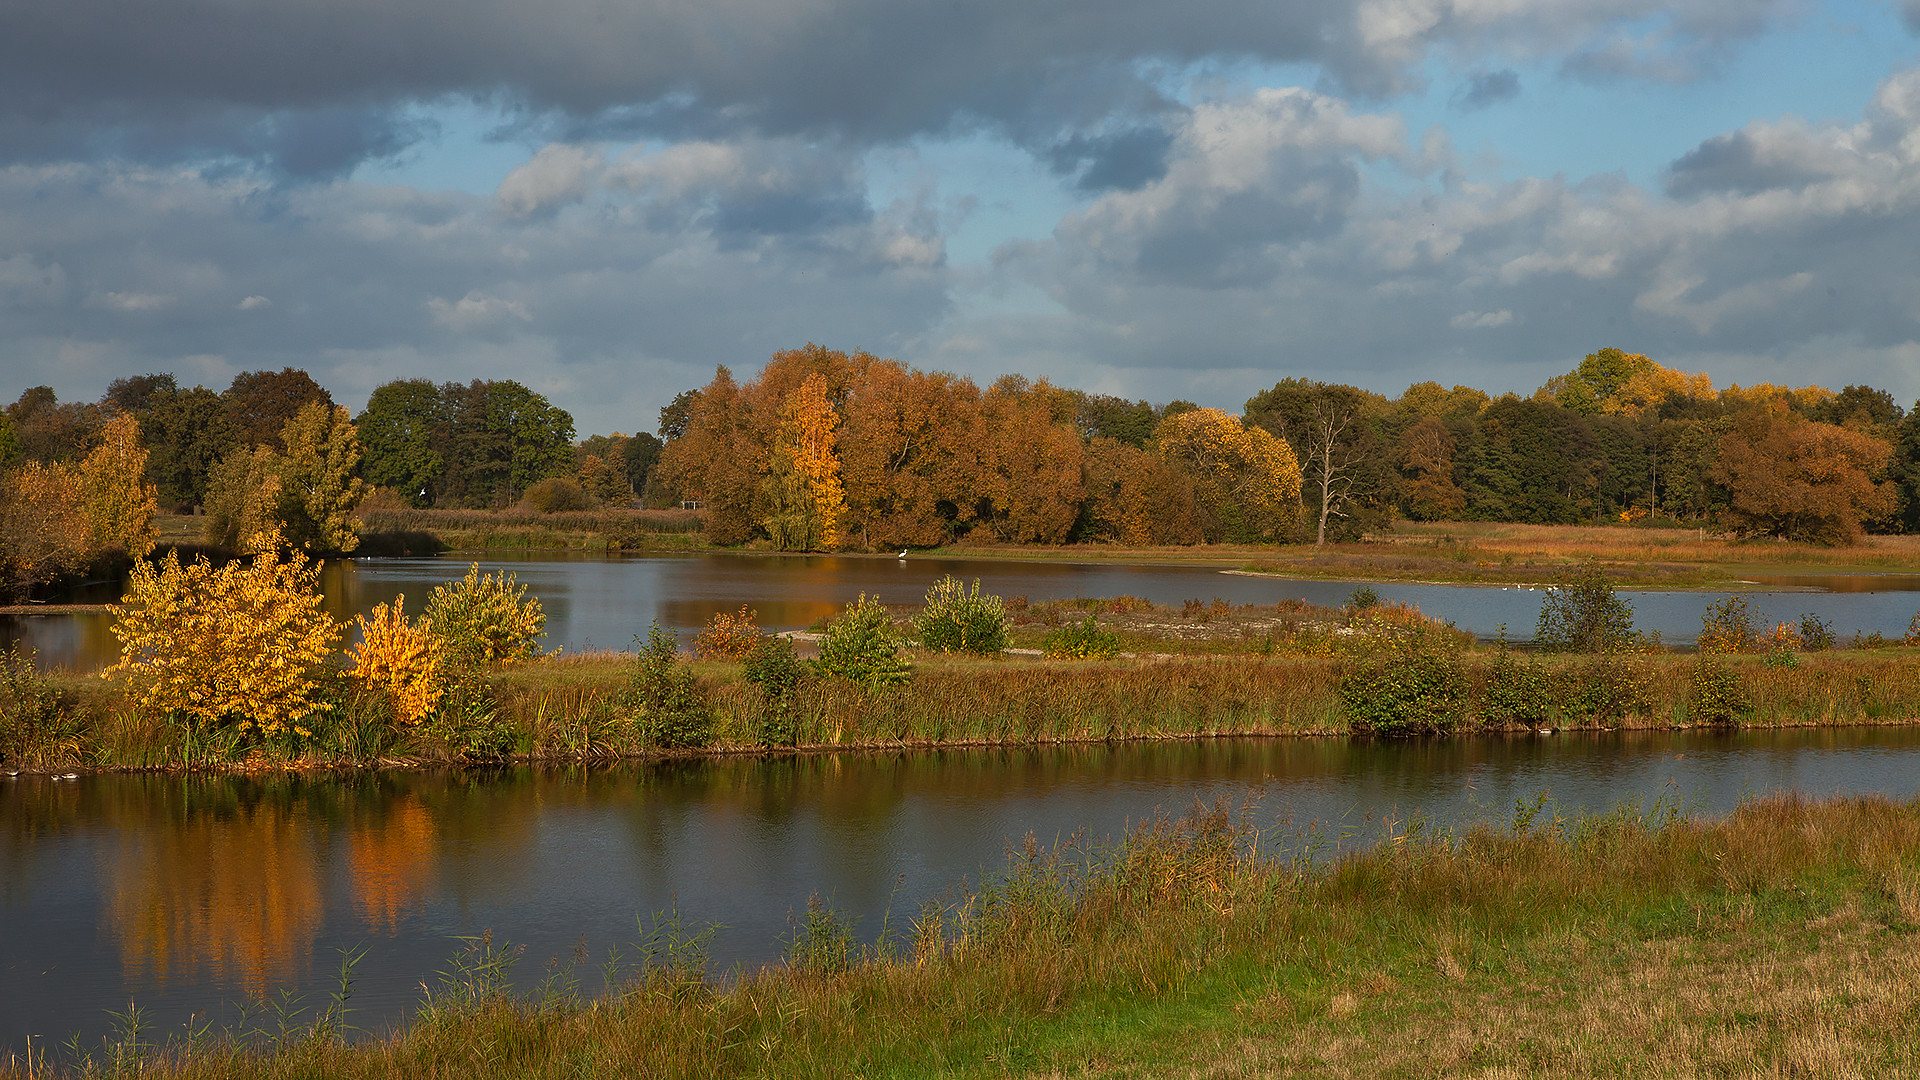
601, 602
183, 893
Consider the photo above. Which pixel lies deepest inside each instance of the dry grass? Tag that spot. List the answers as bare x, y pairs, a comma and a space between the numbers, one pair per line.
1776, 942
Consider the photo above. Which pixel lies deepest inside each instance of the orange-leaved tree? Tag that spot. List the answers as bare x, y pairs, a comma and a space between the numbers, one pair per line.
43, 526
399, 657
805, 502
1787, 476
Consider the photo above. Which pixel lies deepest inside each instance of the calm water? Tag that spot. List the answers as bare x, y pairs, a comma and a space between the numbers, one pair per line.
182, 893
602, 602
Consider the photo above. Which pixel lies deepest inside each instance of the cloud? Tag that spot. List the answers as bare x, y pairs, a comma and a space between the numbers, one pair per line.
558, 175
1487, 89
1480, 320
253, 303
313, 89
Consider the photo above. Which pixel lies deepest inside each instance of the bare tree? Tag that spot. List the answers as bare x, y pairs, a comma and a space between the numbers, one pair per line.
1330, 463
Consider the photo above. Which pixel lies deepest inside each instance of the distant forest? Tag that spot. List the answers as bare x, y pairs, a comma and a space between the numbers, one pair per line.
825, 449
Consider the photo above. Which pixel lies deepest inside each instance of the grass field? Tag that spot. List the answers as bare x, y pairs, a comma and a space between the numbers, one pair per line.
1780, 941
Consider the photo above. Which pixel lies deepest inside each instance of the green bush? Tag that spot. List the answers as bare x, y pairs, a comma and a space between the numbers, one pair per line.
1412, 687
775, 668
1517, 692
467, 719
1081, 641
34, 727
863, 646
482, 619
555, 495
1603, 690
1582, 614
1719, 693
1362, 598
958, 620
1816, 633
663, 696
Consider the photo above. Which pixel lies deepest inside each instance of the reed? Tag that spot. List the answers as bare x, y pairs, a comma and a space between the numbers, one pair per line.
1777, 941
398, 530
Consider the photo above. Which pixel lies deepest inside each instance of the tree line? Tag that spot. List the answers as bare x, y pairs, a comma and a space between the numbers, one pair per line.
827, 450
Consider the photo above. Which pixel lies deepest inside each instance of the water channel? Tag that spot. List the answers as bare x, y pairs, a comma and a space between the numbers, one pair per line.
183, 893
602, 602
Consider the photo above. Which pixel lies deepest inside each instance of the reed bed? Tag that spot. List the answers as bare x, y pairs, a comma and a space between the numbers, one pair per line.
522, 529
1777, 941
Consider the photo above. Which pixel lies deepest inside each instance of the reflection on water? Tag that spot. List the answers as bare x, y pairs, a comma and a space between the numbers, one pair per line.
184, 892
601, 602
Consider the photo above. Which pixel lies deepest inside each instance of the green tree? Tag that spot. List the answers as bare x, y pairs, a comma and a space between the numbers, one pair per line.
187, 433
1583, 614
243, 501
400, 431
503, 438
320, 485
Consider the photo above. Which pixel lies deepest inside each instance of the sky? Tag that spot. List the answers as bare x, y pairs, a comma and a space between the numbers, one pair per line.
605, 199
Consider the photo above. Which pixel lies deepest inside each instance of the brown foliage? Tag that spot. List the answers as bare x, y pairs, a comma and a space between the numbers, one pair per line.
1790, 477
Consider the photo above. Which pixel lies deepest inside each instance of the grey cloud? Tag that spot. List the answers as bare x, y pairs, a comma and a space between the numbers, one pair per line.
1747, 162
1488, 89
1123, 161
1753, 281
106, 270
860, 69
1910, 14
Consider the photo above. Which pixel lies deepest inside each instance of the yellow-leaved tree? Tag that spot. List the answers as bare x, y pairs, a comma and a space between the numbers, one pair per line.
805, 501
243, 499
1246, 483
319, 485
243, 644
399, 657
120, 503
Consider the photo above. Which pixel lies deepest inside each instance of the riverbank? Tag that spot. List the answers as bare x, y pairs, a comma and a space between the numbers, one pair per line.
1778, 940
574, 707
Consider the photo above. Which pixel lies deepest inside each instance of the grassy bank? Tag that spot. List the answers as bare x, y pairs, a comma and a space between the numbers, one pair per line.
572, 707
407, 531
1779, 941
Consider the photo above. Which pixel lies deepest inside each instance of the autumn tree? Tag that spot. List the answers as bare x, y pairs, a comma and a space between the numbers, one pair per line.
48, 430
1134, 497
1030, 476
259, 403
120, 503
712, 463
243, 501
1427, 488
909, 450
44, 532
320, 485
1786, 476
805, 501
1334, 433
1246, 482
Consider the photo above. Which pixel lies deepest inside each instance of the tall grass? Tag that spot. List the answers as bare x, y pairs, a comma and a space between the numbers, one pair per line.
521, 529
1777, 941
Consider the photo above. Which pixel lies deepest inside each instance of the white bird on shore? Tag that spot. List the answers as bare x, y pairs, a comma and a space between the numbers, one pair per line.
903, 553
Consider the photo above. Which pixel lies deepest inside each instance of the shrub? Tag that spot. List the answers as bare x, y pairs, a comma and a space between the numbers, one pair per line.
728, 637
1362, 598
775, 668
1729, 626
468, 719
1412, 687
1603, 690
863, 646
243, 644
1913, 629
1081, 641
1816, 633
958, 620
1517, 690
556, 494
1583, 614
1719, 694
482, 619
664, 697
33, 725
400, 659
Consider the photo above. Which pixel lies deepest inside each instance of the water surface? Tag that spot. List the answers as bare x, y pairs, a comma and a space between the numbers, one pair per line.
184, 892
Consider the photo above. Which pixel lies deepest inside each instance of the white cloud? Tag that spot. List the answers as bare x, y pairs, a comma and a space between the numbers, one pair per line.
1480, 320
476, 310
557, 176
253, 303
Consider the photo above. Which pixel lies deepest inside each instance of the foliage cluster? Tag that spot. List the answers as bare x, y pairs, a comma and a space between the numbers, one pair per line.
1583, 614
401, 659
1082, 640
863, 645
663, 697
728, 636
956, 619
483, 619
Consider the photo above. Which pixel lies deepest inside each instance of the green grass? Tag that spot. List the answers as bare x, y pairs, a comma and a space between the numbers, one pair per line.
1782, 940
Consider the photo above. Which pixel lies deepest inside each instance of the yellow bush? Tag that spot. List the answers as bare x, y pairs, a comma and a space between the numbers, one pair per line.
400, 658
483, 619
241, 644
728, 637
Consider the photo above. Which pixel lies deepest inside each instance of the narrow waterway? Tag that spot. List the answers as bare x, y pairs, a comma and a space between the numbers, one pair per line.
183, 893
600, 602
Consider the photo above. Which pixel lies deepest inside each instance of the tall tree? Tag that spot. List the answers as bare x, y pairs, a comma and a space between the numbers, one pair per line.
187, 432
1335, 433
44, 534
910, 456
120, 503
400, 432
1246, 482
1799, 479
320, 486
805, 499
1427, 490
49, 431
259, 403
1030, 480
